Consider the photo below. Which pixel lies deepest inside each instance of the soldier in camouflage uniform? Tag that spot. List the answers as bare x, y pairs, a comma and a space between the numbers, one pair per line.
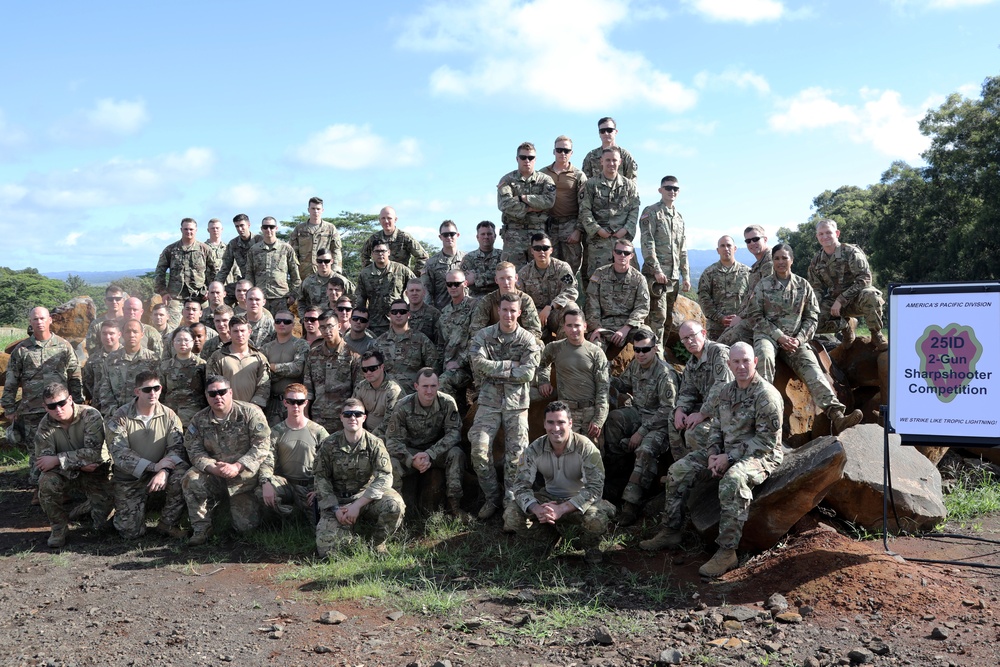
69, 455
313, 235
244, 367
120, 369
707, 367
609, 208
226, 442
216, 299
722, 287
378, 393
664, 256
190, 265
504, 357
190, 318
573, 472
488, 308
438, 266
93, 370
524, 197
353, 476
234, 259
286, 360
286, 478
183, 377
261, 321
617, 299
480, 265
646, 426
550, 283
454, 337
581, 375
744, 449
564, 223
222, 316
215, 242
740, 328
785, 312
273, 268
424, 431
313, 291
114, 300
402, 246
840, 275
332, 370
423, 316
146, 442
405, 351
607, 130
379, 283
359, 339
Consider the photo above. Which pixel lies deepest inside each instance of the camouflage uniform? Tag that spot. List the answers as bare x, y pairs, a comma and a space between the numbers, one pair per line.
218, 252
329, 378
720, 292
435, 272
576, 476
651, 415
306, 240
288, 466
436, 430
136, 446
312, 292
488, 312
504, 397
151, 339
582, 380
93, 371
664, 250
553, 286
289, 361
262, 331
211, 346
274, 269
402, 247
184, 386
846, 277
616, 299
191, 269
743, 331
377, 288
406, 353
700, 376
167, 342
346, 472
359, 347
454, 334
379, 403
234, 263
118, 377
564, 215
591, 165
425, 321
746, 425
611, 205
77, 445
249, 375
484, 265
243, 437
789, 308
518, 223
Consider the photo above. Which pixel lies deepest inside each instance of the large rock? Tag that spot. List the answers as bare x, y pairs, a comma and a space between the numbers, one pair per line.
72, 319
916, 483
798, 485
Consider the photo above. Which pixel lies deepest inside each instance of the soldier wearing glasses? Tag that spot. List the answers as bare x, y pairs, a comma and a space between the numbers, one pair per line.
740, 328
359, 339
378, 393
564, 224
330, 375
286, 361
438, 266
273, 267
617, 299
609, 208
664, 256
453, 332
607, 130
405, 351
550, 282
379, 283
524, 197
313, 291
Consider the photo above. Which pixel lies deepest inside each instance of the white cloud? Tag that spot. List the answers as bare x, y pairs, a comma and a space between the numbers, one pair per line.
732, 78
882, 120
511, 53
741, 11
345, 146
252, 195
148, 239
687, 126
108, 119
71, 239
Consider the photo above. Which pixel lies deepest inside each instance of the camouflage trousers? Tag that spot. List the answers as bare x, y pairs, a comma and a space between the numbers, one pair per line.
276, 304
386, 514
517, 244
54, 486
22, 434
289, 495
275, 412
867, 304
803, 363
560, 229
598, 252
696, 438
131, 497
452, 462
593, 523
661, 307
735, 493
201, 487
620, 427
456, 382
742, 332
481, 435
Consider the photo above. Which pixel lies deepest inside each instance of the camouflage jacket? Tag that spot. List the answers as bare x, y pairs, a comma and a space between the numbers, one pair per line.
664, 244
274, 269
454, 331
591, 165
184, 386
569, 185
790, 309
118, 377
93, 370
402, 247
539, 193
841, 275
435, 272
746, 422
379, 403
405, 354
234, 259
484, 265
242, 436
701, 375
412, 428
581, 375
654, 393
760, 269
34, 364
611, 205
329, 378
425, 321
312, 292
151, 339
580, 468
306, 239
136, 445
378, 287
77, 445
554, 285
616, 299
249, 375
491, 352
721, 290
488, 312
344, 472
262, 331
191, 269
293, 452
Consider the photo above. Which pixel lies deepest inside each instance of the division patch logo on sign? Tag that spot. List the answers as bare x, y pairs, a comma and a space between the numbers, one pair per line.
948, 357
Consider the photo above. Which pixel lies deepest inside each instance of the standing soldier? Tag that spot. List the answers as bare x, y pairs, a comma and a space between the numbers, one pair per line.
234, 259
488, 308
215, 242
609, 208
423, 316
190, 265
550, 283
222, 317
114, 300
378, 393
313, 235
152, 338
607, 130
564, 224
441, 263
216, 299
722, 287
330, 375
480, 265
617, 299
524, 197
273, 267
405, 351
313, 291
664, 256
706, 368
122, 367
190, 318
402, 247
379, 283
243, 366
453, 332
740, 328
183, 378
93, 370
286, 361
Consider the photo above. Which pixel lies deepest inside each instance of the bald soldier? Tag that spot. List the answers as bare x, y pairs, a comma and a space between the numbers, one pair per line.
722, 287
402, 247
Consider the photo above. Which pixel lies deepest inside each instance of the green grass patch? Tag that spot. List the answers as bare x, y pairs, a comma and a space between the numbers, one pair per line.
974, 494
13, 460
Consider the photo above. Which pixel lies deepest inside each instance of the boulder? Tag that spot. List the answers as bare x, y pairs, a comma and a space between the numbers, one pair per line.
859, 363
4, 360
916, 483
798, 485
72, 319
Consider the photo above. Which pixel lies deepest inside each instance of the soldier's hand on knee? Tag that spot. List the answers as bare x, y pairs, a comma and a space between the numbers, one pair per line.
267, 492
634, 441
421, 462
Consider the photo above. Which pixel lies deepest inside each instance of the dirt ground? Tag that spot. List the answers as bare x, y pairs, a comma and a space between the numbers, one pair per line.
101, 601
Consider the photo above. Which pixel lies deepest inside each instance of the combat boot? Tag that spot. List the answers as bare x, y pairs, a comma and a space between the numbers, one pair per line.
58, 536
848, 334
200, 536
489, 508
667, 538
841, 422
455, 507
381, 548
723, 561
879, 341
175, 532
629, 515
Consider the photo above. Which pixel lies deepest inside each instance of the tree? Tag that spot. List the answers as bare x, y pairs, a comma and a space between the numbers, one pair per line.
20, 291
76, 285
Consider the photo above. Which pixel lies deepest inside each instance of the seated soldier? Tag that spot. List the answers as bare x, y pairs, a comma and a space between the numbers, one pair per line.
376, 391
405, 350
286, 362
488, 309
573, 472
707, 367
121, 367
617, 299
550, 283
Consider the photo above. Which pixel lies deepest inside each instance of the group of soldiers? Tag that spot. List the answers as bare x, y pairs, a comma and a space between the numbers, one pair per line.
217, 398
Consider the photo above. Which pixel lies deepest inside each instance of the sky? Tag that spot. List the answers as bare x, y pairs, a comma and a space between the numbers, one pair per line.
119, 119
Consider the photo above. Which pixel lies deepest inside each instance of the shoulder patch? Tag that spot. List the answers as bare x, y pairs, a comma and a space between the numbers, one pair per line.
260, 427
568, 279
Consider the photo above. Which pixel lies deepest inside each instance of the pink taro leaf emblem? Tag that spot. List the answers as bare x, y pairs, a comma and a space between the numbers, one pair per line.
949, 355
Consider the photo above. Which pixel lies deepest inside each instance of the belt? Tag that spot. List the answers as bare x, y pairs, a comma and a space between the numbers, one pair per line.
299, 482
579, 405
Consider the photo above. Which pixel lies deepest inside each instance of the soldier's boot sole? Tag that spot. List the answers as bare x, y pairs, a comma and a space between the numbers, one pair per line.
57, 538
667, 538
723, 561
843, 422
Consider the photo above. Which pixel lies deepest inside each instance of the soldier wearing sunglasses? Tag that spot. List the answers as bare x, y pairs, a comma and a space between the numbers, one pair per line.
286, 359
564, 224
664, 256
524, 197
438, 266
379, 393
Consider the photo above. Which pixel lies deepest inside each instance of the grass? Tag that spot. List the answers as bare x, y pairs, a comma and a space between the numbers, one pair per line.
13, 460
976, 493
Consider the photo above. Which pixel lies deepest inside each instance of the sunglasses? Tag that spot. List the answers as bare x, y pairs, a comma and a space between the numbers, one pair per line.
215, 393
752, 239
310, 319
399, 311
564, 151
345, 309
324, 261
643, 350
370, 369
671, 188
448, 234
348, 414
150, 389
282, 320
113, 298
622, 253
457, 283
526, 158
358, 318
296, 401
380, 251
607, 130
269, 226
57, 404
541, 248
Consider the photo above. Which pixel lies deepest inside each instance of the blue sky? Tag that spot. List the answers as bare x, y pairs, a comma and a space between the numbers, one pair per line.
119, 119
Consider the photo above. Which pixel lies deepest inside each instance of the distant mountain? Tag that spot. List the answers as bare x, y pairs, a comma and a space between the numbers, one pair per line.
98, 277
699, 260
